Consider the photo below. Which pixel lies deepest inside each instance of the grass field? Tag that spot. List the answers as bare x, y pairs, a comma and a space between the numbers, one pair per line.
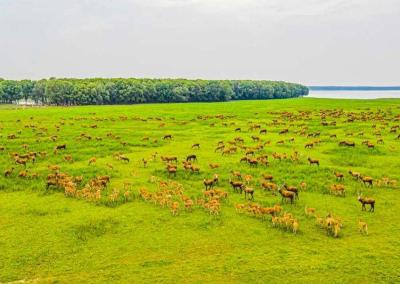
46, 237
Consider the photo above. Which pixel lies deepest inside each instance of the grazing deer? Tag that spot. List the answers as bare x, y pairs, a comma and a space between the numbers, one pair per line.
168, 136
196, 145
339, 176
171, 169
309, 145
347, 143
267, 177
92, 161
313, 161
169, 159
236, 185
213, 166
8, 172
309, 211
20, 161
61, 147
195, 169
367, 180
337, 189
68, 158
123, 158
362, 227
355, 175
236, 174
191, 158
219, 148
366, 200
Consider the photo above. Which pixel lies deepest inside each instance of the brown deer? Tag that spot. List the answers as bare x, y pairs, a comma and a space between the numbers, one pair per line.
191, 158
366, 200
248, 191
287, 195
61, 147
309, 211
171, 169
267, 177
196, 145
292, 189
355, 175
92, 161
236, 185
209, 183
337, 189
313, 161
362, 227
213, 165
339, 176
367, 180
8, 172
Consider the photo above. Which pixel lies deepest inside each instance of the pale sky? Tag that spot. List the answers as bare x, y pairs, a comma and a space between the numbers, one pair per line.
314, 42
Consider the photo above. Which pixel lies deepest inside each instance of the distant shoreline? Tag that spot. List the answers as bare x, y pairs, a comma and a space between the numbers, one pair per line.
354, 88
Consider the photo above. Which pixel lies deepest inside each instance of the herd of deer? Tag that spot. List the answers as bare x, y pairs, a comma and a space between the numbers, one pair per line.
256, 153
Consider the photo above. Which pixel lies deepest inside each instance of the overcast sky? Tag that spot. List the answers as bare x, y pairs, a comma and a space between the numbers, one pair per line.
315, 42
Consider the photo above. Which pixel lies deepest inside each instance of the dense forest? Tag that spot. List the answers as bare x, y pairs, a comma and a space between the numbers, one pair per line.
132, 91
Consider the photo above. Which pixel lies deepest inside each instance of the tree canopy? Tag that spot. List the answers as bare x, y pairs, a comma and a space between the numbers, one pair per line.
98, 91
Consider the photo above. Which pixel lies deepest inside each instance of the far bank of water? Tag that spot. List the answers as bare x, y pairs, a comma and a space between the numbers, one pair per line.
354, 94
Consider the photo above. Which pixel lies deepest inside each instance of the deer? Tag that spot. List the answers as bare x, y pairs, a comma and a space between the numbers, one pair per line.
339, 176
209, 183
362, 227
237, 175
168, 136
309, 211
92, 161
8, 172
196, 145
213, 165
68, 158
20, 161
248, 191
309, 145
169, 159
287, 195
366, 200
367, 180
355, 175
267, 177
337, 189
61, 147
236, 185
175, 208
313, 161
171, 169
347, 143
292, 189
191, 158
123, 158
195, 169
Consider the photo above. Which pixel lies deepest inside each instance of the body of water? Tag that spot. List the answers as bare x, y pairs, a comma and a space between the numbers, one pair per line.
354, 94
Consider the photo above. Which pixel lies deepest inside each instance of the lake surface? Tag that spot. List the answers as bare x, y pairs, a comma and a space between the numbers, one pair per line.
354, 94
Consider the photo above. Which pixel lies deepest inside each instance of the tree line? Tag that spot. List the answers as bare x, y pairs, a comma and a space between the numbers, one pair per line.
98, 91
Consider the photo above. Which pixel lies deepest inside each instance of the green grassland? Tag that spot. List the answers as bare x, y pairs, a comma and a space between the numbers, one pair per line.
46, 237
